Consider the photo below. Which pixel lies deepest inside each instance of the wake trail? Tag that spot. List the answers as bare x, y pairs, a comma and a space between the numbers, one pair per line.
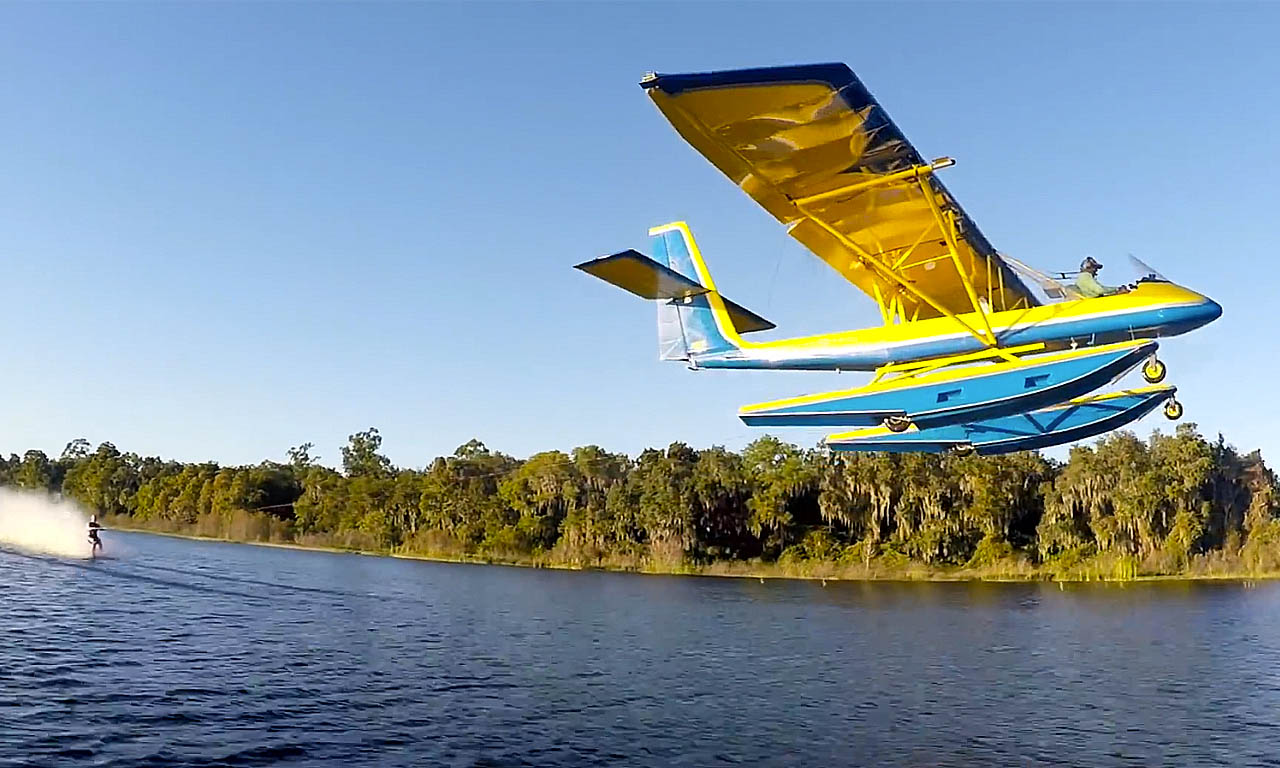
218, 576
100, 567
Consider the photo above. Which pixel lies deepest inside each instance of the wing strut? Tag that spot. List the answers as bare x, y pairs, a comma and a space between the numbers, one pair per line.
918, 172
915, 171
889, 275
947, 225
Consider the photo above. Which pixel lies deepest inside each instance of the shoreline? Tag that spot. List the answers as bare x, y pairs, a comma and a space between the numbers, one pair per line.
920, 574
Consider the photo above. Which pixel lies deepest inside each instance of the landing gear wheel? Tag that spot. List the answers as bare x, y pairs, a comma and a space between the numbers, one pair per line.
1153, 371
1172, 409
897, 423
964, 449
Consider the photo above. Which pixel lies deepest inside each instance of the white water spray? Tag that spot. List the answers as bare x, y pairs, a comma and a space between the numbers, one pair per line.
36, 522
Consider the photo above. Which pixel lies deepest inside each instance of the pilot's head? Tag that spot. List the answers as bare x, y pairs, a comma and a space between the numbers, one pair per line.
1090, 265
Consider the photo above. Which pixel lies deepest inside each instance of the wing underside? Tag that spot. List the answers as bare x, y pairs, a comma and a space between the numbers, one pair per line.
814, 148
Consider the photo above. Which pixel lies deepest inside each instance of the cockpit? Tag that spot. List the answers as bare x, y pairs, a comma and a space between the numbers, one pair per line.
1051, 288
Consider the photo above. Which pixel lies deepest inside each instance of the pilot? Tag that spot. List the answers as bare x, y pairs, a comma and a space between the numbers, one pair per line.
1087, 281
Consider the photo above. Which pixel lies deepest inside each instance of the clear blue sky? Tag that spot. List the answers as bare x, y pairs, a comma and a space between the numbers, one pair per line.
227, 229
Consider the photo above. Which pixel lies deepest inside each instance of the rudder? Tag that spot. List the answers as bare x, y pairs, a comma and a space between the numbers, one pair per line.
694, 325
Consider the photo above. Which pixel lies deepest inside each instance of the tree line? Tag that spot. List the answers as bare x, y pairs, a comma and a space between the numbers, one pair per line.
1168, 504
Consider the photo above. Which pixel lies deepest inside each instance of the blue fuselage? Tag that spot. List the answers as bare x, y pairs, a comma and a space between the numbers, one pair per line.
1167, 310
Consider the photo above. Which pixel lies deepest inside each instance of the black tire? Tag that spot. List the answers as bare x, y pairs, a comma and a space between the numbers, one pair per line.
897, 423
1154, 371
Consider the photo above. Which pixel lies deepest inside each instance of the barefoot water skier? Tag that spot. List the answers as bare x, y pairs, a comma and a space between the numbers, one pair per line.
94, 527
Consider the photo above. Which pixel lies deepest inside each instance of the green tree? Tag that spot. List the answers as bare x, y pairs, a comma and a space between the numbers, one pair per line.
460, 498
300, 457
594, 525
542, 492
666, 502
35, 472
722, 520
106, 480
360, 455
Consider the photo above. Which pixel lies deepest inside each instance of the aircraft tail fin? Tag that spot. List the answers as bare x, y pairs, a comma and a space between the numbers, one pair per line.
708, 323
693, 318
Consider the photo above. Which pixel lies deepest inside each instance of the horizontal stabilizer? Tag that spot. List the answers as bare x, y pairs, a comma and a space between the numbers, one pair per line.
636, 273
632, 271
1078, 419
744, 320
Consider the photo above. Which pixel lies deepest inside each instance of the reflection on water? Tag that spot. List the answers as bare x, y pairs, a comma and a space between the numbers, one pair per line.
193, 653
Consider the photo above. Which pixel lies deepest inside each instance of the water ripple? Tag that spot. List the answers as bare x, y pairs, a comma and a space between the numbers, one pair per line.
198, 654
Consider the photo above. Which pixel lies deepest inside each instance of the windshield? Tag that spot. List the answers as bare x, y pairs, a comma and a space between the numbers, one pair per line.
1145, 272
1047, 290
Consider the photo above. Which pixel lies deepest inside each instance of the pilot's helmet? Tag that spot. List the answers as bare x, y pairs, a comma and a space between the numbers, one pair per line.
1089, 265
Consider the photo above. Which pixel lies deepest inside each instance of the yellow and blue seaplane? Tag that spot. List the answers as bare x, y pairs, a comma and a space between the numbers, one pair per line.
969, 357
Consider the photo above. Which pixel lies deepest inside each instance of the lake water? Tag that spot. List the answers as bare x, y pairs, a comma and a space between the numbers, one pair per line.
189, 653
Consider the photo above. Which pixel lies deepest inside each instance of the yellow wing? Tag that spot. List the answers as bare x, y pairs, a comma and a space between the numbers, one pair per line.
812, 146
